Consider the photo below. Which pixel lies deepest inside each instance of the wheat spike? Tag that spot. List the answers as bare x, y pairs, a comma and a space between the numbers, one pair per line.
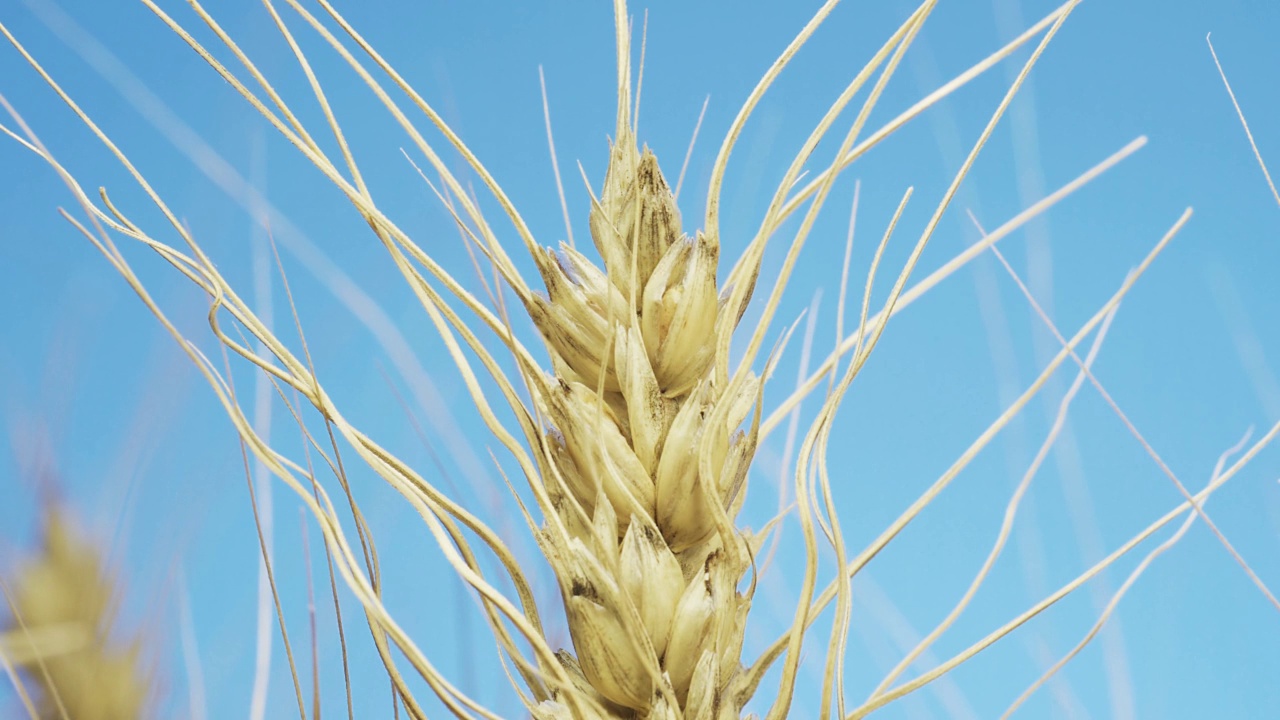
62, 601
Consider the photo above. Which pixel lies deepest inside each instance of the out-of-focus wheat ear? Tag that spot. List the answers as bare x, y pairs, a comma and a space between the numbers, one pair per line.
62, 605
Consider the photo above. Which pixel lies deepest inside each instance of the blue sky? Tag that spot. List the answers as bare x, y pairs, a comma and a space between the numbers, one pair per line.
91, 387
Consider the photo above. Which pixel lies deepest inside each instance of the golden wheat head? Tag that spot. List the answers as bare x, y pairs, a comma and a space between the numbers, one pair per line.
62, 604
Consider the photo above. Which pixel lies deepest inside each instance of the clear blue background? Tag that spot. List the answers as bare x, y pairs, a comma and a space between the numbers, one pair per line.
93, 391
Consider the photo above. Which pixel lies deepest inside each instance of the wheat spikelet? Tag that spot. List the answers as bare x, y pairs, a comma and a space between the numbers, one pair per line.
62, 605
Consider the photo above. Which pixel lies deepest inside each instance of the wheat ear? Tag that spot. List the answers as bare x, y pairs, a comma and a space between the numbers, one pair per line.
62, 606
635, 446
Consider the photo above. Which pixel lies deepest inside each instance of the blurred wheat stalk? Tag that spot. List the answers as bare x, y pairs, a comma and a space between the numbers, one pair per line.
636, 441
